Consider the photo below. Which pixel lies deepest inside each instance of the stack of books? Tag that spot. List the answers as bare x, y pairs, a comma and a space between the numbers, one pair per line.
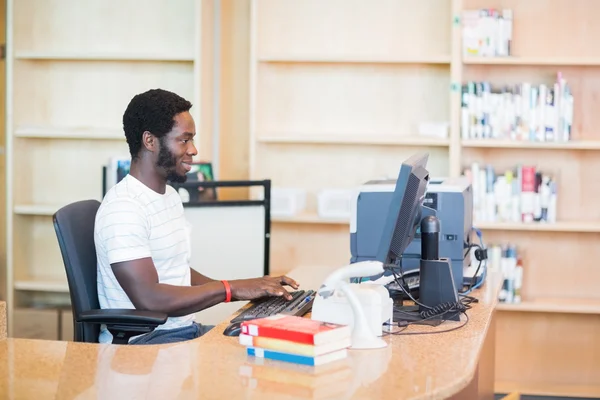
295, 339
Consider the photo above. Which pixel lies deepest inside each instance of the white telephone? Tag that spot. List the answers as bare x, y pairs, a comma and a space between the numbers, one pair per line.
364, 307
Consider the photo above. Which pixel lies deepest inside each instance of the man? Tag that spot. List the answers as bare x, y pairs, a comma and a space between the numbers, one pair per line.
141, 236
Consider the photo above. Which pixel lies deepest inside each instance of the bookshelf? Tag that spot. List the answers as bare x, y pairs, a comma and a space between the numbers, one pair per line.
69, 79
336, 96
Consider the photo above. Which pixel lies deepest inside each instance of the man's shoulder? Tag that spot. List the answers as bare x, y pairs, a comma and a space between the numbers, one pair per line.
173, 194
124, 196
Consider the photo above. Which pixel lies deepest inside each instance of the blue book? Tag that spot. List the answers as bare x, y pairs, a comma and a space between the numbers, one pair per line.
295, 358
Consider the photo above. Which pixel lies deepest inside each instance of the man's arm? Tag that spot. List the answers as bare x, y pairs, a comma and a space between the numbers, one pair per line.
139, 280
198, 279
123, 231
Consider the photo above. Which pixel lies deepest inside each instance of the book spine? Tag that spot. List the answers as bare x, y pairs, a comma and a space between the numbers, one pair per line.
278, 345
528, 193
280, 356
276, 333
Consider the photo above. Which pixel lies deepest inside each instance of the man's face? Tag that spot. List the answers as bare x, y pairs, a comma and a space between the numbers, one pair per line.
177, 149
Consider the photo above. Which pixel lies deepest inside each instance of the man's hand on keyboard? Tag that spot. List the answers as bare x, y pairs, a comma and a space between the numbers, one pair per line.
250, 289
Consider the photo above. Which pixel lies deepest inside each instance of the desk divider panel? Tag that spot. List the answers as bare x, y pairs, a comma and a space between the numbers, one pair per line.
229, 240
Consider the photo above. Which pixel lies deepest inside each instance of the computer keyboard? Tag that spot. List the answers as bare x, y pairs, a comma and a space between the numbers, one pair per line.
300, 304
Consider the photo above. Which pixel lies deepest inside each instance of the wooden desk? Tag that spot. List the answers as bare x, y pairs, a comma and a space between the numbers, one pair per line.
457, 364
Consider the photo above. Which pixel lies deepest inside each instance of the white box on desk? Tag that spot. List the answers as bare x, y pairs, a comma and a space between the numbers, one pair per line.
374, 299
287, 202
336, 203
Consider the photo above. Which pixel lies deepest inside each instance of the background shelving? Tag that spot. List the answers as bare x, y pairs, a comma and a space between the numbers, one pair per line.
381, 69
338, 101
66, 99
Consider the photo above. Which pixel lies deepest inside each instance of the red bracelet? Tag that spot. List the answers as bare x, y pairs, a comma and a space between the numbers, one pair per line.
227, 291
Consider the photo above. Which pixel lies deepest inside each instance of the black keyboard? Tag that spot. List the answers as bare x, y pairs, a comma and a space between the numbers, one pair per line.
300, 304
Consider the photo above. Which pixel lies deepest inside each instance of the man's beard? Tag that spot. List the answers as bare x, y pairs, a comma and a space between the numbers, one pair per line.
168, 161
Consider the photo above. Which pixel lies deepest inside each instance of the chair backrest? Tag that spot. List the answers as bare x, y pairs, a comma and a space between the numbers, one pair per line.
74, 226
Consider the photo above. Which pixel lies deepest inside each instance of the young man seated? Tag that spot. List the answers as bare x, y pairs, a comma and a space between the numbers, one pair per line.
141, 235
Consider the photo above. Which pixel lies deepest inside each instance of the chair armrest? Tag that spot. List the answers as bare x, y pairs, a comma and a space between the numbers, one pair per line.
128, 317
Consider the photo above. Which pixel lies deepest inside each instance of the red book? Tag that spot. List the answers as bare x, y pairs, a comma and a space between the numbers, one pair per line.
527, 193
296, 329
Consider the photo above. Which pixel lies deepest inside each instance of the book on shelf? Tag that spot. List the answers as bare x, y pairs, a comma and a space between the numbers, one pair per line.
523, 194
522, 113
487, 32
506, 259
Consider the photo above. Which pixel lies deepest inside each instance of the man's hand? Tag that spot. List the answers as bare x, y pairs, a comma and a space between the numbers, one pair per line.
250, 289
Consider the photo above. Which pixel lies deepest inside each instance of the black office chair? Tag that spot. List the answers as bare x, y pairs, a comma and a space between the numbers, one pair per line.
74, 226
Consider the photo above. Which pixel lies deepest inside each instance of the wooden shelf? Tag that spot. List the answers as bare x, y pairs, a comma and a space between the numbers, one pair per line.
67, 87
551, 61
309, 219
545, 389
512, 144
583, 227
35, 285
90, 56
499, 226
36, 209
554, 305
356, 139
442, 59
70, 133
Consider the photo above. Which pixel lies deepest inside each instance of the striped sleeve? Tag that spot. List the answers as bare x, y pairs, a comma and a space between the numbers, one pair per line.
124, 231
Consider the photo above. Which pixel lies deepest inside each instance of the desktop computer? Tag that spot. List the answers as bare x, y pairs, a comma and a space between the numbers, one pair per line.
406, 215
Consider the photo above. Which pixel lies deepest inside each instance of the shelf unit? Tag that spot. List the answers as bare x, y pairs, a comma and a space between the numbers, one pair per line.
69, 80
337, 93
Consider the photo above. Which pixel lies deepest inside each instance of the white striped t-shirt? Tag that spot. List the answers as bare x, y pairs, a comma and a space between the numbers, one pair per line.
136, 222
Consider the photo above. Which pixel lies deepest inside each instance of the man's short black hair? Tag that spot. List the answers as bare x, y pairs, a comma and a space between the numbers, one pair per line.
153, 111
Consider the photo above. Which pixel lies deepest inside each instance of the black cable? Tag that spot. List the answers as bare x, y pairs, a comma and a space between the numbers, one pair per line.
480, 255
403, 328
433, 332
439, 310
406, 288
471, 246
473, 279
428, 332
443, 308
467, 300
462, 305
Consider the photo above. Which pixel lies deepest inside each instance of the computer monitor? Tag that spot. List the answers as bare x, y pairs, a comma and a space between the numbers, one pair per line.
404, 214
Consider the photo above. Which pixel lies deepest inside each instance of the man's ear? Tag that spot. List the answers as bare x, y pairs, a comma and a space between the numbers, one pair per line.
150, 142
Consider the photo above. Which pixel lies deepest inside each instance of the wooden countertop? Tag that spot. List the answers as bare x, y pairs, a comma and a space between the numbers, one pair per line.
217, 367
